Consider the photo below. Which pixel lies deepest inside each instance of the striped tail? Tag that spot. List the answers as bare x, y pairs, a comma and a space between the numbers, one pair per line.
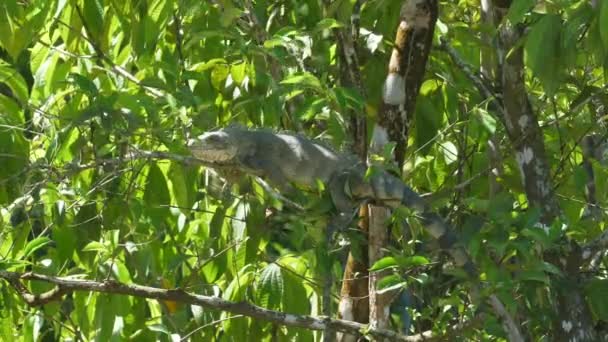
390, 191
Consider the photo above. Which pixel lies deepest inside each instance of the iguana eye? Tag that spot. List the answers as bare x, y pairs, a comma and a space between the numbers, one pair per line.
212, 139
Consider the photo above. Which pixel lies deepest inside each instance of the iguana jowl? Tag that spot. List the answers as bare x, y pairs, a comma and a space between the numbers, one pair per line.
285, 159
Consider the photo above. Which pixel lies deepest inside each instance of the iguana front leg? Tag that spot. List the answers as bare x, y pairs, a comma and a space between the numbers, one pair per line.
344, 204
267, 169
338, 189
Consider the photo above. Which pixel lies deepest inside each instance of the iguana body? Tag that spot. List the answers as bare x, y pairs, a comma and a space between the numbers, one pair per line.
285, 159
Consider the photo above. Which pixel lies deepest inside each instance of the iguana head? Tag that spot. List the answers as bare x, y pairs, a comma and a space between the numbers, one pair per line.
216, 146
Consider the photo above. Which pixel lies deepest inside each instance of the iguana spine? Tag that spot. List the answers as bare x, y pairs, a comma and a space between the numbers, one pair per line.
285, 158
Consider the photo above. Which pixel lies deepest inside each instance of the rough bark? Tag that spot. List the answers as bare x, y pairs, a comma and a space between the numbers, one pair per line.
406, 70
523, 129
573, 322
354, 304
488, 70
405, 74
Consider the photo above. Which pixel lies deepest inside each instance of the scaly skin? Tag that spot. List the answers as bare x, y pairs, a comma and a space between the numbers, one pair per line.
289, 159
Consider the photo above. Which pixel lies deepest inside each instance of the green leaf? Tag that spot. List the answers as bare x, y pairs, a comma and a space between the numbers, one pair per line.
348, 98
181, 190
603, 21
295, 300
486, 120
219, 74
210, 64
416, 260
304, 79
93, 17
238, 72
156, 195
229, 14
542, 49
61, 146
328, 23
450, 152
550, 268
83, 83
13, 79
384, 263
391, 282
161, 328
35, 245
401, 261
533, 275
65, 240
32, 324
596, 291
538, 235
518, 9
237, 289
95, 246
427, 124
270, 287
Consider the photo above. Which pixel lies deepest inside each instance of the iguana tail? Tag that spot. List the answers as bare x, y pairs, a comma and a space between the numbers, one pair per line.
385, 189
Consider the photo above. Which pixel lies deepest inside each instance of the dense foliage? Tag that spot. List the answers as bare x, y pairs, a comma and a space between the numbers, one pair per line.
83, 83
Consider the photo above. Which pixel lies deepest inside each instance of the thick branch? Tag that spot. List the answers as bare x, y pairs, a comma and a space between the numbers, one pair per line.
522, 127
67, 285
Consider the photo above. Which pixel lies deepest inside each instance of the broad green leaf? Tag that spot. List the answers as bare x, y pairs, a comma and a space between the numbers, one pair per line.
238, 72
35, 245
303, 79
391, 282
270, 287
427, 124
203, 66
32, 324
603, 23
533, 275
229, 14
450, 152
104, 317
295, 300
92, 11
95, 246
13, 79
237, 289
347, 98
83, 84
11, 109
518, 9
542, 51
65, 241
156, 195
384, 263
416, 260
181, 189
161, 328
328, 23
597, 297
486, 120
219, 73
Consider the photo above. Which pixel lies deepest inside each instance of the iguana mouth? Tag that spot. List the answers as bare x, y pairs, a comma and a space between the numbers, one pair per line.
211, 153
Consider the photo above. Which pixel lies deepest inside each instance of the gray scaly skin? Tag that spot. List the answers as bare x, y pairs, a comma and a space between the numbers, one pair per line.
284, 159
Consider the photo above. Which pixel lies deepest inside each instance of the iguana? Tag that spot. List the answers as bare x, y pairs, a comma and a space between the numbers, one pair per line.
284, 159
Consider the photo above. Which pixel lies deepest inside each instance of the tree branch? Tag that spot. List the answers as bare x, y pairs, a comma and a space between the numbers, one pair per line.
68, 285
478, 80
